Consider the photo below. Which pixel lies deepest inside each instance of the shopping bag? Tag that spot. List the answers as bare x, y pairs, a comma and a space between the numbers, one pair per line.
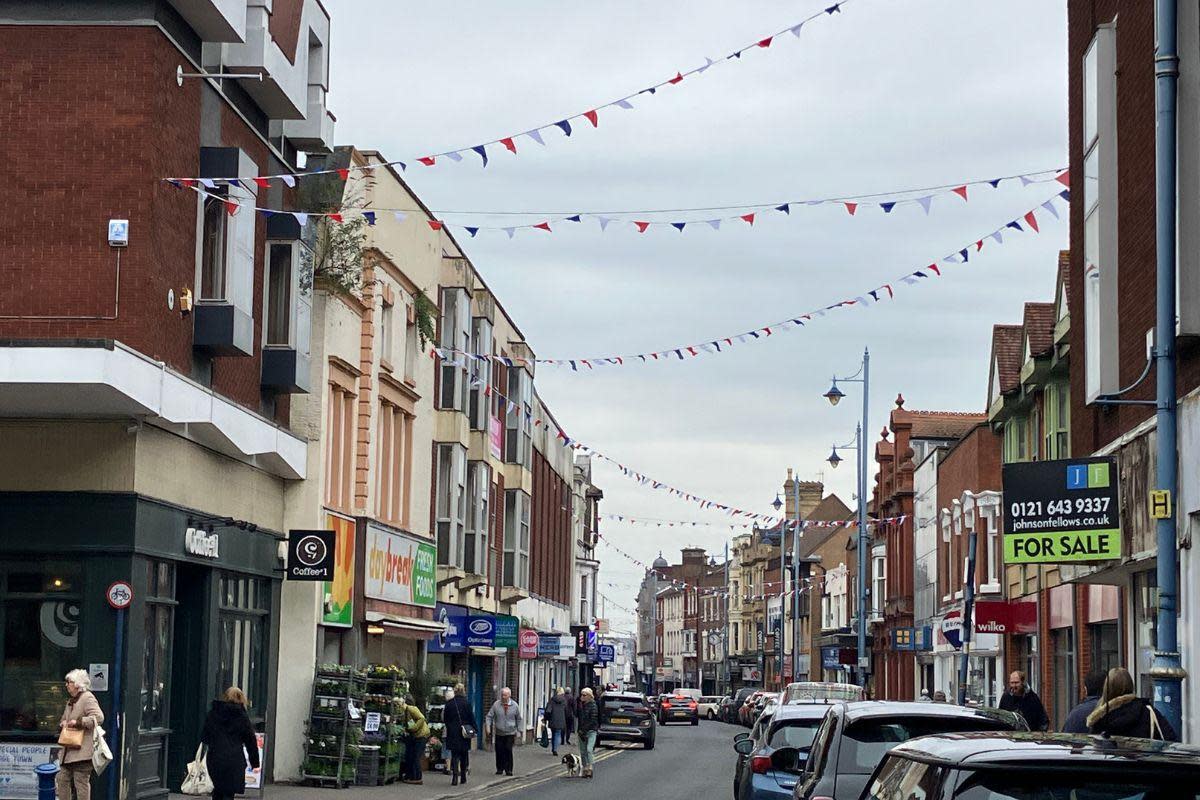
198, 781
101, 755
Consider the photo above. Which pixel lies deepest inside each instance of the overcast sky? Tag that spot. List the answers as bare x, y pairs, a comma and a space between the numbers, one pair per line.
883, 96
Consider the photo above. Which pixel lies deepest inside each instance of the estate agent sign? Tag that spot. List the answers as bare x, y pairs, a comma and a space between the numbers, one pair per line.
1061, 511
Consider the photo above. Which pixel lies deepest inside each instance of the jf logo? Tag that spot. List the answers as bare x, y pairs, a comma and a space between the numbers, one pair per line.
1087, 476
310, 550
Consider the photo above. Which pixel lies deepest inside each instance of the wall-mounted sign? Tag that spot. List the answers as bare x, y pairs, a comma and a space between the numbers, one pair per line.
453, 638
201, 543
1061, 511
606, 653
310, 555
548, 644
338, 607
99, 675
507, 628
580, 634
481, 630
528, 647
400, 568
903, 638
496, 436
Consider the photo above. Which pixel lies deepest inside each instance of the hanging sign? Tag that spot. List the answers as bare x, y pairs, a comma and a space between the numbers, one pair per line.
952, 629
1061, 511
338, 607
310, 555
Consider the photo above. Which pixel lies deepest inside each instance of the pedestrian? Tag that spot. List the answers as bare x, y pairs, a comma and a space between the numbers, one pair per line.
1120, 712
924, 698
939, 696
230, 739
76, 728
572, 713
556, 718
503, 723
1076, 721
460, 732
1023, 700
418, 734
589, 724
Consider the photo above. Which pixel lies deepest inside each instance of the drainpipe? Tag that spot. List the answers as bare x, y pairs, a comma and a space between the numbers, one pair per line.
1167, 671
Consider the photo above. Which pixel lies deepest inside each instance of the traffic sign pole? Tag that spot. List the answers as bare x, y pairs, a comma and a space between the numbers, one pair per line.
119, 596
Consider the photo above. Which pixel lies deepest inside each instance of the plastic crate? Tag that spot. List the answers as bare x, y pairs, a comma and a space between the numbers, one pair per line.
367, 771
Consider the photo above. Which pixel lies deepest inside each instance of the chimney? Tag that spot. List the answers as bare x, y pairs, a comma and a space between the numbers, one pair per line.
811, 493
789, 496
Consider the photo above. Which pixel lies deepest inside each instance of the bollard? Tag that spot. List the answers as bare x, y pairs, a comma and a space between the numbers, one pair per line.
45, 779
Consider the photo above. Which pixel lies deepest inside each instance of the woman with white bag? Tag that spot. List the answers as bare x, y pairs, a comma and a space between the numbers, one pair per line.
77, 730
226, 742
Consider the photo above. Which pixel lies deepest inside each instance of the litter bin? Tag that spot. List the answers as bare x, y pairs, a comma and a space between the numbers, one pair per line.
45, 780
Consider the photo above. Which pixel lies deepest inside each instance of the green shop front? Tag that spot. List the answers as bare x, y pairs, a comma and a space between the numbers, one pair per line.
200, 620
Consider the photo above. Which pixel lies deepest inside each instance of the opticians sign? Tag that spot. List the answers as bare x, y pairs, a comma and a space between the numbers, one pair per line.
1061, 511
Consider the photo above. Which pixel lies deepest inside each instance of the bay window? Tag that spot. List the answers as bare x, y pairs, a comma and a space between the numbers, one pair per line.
516, 539
451, 504
479, 484
481, 372
456, 338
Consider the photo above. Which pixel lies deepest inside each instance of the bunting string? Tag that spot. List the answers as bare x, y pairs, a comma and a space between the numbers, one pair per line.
1028, 221
564, 126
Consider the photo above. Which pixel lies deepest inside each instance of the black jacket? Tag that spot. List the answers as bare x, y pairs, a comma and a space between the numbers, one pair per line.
1076, 721
1029, 706
589, 717
456, 714
556, 712
227, 730
1129, 715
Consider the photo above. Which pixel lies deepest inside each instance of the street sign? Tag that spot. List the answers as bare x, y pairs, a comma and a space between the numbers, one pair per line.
120, 595
1160, 504
606, 653
952, 628
528, 647
310, 555
1061, 511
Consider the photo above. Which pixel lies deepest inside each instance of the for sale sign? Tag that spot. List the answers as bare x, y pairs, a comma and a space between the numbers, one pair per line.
1061, 511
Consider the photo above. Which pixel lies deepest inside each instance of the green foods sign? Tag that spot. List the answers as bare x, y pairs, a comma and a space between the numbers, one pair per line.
400, 568
1061, 511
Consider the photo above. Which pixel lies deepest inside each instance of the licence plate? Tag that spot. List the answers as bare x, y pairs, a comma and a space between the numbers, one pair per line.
619, 720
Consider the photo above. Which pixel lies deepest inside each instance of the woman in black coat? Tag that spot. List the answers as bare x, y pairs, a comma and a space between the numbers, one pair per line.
230, 739
456, 714
1120, 712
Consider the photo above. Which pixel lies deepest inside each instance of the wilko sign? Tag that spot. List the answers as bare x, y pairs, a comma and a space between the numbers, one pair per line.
400, 569
528, 643
992, 616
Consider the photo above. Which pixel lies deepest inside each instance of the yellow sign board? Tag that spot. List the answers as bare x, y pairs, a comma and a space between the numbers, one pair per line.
1160, 504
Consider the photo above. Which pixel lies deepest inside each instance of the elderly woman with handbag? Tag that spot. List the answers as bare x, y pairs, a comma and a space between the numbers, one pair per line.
77, 736
460, 733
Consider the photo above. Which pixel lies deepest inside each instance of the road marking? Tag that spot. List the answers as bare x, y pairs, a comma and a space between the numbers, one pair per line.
604, 756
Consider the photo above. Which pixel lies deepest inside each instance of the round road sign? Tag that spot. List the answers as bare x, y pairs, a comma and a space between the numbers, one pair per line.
120, 595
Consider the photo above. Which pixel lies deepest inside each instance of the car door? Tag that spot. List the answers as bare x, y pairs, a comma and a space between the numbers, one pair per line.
818, 758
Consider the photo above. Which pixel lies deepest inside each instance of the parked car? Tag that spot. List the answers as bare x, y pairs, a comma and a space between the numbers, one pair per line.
748, 710
855, 737
727, 709
983, 766
627, 716
739, 702
759, 774
675, 707
709, 706
822, 690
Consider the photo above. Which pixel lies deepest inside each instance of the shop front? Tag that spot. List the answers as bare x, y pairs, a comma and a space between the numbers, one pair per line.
200, 620
398, 576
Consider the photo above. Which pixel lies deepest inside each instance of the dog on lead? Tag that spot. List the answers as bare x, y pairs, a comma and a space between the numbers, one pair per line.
573, 765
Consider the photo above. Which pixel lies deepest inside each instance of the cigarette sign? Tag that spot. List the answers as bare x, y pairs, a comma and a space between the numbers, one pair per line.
1061, 511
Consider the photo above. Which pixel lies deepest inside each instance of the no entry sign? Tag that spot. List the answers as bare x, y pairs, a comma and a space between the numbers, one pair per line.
1061, 511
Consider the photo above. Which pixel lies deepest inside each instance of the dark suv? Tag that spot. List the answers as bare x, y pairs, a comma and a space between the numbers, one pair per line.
855, 737
627, 716
984, 766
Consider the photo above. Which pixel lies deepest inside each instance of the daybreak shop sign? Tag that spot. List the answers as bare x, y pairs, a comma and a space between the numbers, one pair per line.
400, 568
1061, 511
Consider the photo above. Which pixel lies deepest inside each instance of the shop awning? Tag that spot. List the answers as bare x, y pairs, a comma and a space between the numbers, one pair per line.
411, 627
487, 651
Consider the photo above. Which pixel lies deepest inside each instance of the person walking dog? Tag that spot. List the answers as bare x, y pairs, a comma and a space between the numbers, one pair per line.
589, 724
230, 739
76, 728
460, 731
504, 722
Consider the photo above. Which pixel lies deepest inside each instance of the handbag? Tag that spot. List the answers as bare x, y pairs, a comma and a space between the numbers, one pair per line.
468, 730
101, 755
70, 738
198, 781
1155, 730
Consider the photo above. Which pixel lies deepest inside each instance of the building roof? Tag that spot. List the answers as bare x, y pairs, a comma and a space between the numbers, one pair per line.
1007, 356
1064, 270
941, 424
1039, 328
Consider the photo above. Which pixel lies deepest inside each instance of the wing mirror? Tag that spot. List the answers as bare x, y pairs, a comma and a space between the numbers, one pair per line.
743, 747
739, 737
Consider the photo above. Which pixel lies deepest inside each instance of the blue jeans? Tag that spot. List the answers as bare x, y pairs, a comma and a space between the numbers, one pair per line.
587, 744
556, 737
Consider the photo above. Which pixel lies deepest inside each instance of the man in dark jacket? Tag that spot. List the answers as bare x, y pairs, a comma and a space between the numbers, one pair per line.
1024, 701
1076, 721
589, 725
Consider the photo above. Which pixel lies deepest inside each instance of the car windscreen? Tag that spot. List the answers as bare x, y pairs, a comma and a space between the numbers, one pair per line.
797, 733
621, 703
866, 741
1085, 782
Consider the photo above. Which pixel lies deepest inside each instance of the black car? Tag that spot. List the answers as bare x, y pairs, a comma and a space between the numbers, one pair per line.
984, 766
678, 708
628, 717
855, 737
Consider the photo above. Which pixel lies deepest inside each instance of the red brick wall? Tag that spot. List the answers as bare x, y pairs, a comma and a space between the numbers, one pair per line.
973, 465
1093, 427
93, 119
550, 534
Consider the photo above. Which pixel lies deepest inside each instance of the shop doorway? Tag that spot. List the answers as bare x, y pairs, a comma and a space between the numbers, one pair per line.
189, 668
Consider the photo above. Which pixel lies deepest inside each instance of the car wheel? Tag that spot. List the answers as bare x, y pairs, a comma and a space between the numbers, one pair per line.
711, 715
648, 744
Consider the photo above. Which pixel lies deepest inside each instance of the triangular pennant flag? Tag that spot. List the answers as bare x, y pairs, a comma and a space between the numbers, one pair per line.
766, 42
604, 222
641, 226
999, 237
749, 218
966, 255
738, 54
888, 206
574, 218
208, 183
833, 8
369, 216
536, 135
677, 79
543, 226
785, 208
301, 218
935, 269
1015, 224
344, 174
851, 207
708, 62
592, 117
454, 156
624, 104
961, 191
434, 224
995, 183
565, 125
796, 29
231, 207
1064, 178
926, 202
509, 144
428, 161
289, 180
1065, 194
874, 294
1032, 220
678, 226
262, 183
471, 230
1049, 206
978, 245
400, 216
482, 151
715, 223
511, 232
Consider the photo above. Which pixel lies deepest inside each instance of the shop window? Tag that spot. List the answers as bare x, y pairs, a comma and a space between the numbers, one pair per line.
451, 504
456, 338
243, 627
156, 654
1066, 694
481, 340
1106, 646
516, 539
1025, 648
39, 642
479, 484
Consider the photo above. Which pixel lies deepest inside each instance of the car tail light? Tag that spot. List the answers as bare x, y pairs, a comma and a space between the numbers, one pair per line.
760, 765
692, 704
666, 703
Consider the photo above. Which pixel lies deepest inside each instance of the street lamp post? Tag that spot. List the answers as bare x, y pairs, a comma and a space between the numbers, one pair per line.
834, 395
782, 587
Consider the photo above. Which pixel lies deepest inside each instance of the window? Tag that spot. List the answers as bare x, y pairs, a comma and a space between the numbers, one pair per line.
1065, 693
516, 539
517, 424
243, 627
387, 334
212, 249
878, 583
1025, 648
39, 642
1035, 433
1106, 646
584, 606
411, 342
456, 336
156, 657
339, 454
393, 464
1057, 402
481, 341
902, 779
1100, 213
1016, 440
479, 484
451, 504
279, 295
